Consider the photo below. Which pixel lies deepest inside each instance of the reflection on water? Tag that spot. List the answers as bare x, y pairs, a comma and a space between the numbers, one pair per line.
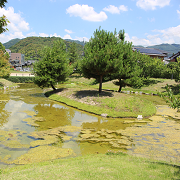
30, 122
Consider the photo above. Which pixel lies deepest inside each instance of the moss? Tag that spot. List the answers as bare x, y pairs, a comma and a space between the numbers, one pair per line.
14, 144
46, 140
43, 153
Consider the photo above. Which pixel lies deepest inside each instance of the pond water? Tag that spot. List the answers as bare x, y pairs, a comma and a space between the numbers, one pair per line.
34, 128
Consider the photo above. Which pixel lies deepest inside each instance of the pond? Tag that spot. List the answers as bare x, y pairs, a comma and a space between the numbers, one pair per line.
34, 128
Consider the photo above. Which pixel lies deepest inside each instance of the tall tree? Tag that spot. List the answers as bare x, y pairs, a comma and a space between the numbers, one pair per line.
103, 55
73, 54
3, 20
4, 62
54, 67
130, 72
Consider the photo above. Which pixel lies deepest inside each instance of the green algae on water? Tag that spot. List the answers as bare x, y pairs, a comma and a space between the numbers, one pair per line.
43, 153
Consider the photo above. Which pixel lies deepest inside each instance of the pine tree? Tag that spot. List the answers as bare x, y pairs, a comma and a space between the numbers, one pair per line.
54, 67
103, 56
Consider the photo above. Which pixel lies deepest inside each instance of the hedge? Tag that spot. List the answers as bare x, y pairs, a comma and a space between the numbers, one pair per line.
20, 79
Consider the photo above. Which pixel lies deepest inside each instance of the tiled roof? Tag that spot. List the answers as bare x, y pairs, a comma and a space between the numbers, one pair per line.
149, 51
175, 55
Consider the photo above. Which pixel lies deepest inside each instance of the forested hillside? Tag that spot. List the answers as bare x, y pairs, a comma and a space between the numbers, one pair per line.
11, 43
32, 47
170, 48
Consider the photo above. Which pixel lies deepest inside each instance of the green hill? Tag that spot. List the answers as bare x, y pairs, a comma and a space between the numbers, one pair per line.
170, 48
11, 43
32, 47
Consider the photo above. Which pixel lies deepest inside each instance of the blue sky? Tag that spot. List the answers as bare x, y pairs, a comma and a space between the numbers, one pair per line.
146, 22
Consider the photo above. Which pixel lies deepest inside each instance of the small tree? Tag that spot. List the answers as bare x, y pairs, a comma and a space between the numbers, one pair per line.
129, 73
102, 55
169, 97
54, 67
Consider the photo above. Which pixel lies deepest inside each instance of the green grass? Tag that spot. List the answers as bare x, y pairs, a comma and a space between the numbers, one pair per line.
112, 103
99, 166
120, 105
153, 85
4, 82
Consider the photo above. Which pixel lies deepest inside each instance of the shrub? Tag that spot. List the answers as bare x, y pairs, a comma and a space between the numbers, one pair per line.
20, 79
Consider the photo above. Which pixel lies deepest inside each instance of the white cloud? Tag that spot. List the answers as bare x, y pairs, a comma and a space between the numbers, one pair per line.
85, 39
55, 35
170, 36
115, 10
86, 13
112, 9
178, 13
43, 35
67, 36
5, 38
152, 4
123, 8
68, 31
17, 23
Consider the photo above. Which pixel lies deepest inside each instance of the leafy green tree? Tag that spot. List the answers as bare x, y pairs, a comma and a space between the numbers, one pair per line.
4, 62
103, 55
129, 73
74, 57
170, 98
4, 65
2, 3
73, 54
54, 67
3, 20
173, 70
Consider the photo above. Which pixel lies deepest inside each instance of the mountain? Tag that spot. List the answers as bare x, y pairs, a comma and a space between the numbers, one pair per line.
32, 47
170, 48
11, 43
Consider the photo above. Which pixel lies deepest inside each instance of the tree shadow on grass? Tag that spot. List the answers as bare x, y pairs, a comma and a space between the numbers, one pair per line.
176, 172
175, 89
49, 93
92, 93
76, 76
148, 82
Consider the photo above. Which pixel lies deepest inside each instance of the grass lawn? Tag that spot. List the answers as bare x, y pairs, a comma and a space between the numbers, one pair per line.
4, 82
83, 94
99, 166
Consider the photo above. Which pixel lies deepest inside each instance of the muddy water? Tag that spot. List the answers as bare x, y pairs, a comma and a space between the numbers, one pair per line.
34, 128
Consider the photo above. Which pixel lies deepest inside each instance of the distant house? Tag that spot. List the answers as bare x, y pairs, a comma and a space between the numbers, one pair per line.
15, 59
174, 57
154, 53
8, 51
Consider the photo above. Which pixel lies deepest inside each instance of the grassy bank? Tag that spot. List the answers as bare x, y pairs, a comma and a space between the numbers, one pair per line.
114, 166
83, 94
4, 82
113, 104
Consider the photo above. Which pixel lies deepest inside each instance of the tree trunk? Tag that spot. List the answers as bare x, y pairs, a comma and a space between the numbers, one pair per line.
120, 85
100, 84
53, 87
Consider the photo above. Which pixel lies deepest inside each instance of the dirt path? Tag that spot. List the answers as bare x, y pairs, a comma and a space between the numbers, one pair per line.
22, 74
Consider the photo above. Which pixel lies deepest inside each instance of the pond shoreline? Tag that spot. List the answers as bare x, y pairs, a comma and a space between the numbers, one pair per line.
89, 100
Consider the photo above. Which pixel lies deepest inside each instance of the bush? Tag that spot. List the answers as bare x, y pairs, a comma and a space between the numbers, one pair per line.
20, 79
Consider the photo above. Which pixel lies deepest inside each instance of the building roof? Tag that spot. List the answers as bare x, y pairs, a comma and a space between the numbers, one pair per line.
150, 51
175, 55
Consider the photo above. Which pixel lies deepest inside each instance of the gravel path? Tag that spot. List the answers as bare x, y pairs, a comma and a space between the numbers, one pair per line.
22, 74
